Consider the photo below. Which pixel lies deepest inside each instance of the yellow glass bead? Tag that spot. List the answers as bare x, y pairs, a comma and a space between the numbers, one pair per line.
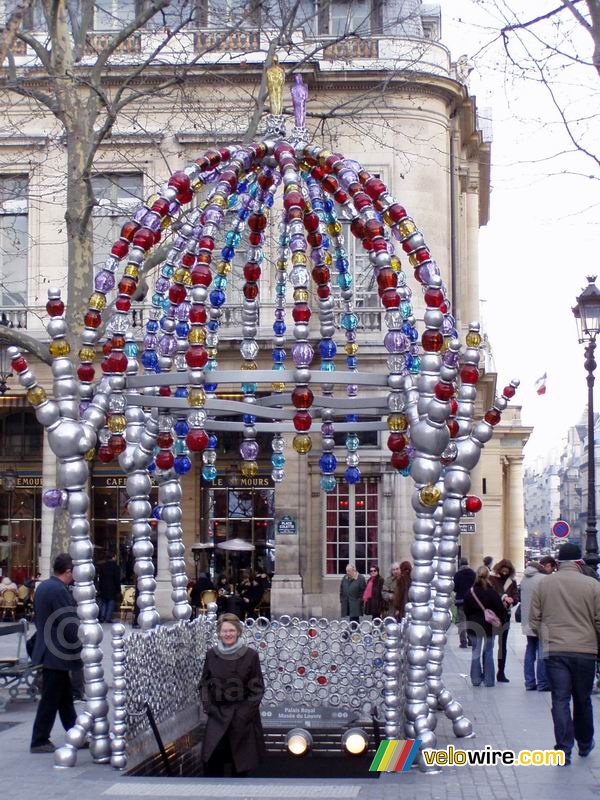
97, 301
414, 262
473, 339
249, 469
223, 268
395, 263
117, 423
300, 296
202, 204
445, 344
248, 365
299, 258
302, 443
406, 227
324, 156
219, 201
165, 223
90, 455
328, 259
211, 352
334, 228
87, 354
183, 275
196, 397
397, 422
197, 184
278, 387
132, 271
430, 495
152, 199
292, 187
282, 263
351, 348
36, 395
197, 336
59, 348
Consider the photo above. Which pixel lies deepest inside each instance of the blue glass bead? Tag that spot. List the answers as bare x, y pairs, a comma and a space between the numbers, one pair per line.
249, 419
352, 442
211, 387
164, 323
217, 298
413, 335
180, 447
349, 322
213, 325
166, 304
233, 238
220, 282
212, 441
279, 328
242, 187
327, 348
253, 190
406, 328
243, 214
326, 242
228, 253
318, 204
342, 263
182, 329
278, 460
352, 418
328, 205
408, 360
279, 355
248, 388
181, 391
351, 361
181, 427
152, 326
156, 512
209, 473
269, 201
344, 280
284, 239
232, 201
280, 290
328, 463
157, 300
168, 270
211, 365
327, 366
182, 465
151, 467
405, 471
328, 483
405, 308
131, 350
352, 475
149, 359
415, 367
278, 367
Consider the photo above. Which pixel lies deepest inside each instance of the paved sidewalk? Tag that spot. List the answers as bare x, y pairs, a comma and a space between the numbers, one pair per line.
505, 717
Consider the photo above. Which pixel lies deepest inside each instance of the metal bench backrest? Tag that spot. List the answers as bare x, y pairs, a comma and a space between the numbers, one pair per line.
20, 628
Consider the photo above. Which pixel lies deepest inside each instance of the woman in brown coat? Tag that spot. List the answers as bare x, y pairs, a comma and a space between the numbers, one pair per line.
402, 587
231, 689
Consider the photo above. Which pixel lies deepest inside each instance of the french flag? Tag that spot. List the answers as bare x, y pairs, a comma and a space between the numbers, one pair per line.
540, 384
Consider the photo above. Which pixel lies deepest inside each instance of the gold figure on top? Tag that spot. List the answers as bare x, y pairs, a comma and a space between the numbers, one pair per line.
275, 81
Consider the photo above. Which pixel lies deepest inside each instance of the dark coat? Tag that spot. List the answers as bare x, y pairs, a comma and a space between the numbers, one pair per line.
108, 580
57, 644
489, 598
506, 587
374, 605
351, 592
203, 584
464, 578
231, 690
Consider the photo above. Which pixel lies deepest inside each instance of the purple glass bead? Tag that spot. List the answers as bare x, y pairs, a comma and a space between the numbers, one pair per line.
152, 221
162, 284
55, 498
140, 214
327, 429
174, 207
180, 242
395, 342
167, 345
314, 190
214, 215
303, 354
351, 390
351, 164
280, 314
249, 450
297, 242
350, 336
318, 256
104, 281
183, 311
450, 358
83, 407
447, 325
246, 158
149, 342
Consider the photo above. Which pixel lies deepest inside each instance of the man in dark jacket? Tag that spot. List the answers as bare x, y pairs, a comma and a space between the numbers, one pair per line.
464, 578
109, 587
57, 649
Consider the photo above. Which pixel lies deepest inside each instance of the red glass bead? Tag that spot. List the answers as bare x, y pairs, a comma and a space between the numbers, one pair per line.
119, 362
433, 297
396, 213
197, 440
196, 357
390, 298
203, 164
92, 318
198, 315
330, 184
55, 307
105, 454
374, 228
117, 444
214, 157
321, 275
293, 199
432, 341
453, 406
508, 391
444, 391
396, 442
86, 373
445, 307
452, 428
295, 213
19, 364
188, 259
469, 374
107, 348
311, 222
165, 391
225, 153
161, 206
204, 257
357, 227
301, 312
473, 504
340, 196
322, 680
423, 255
354, 188
374, 187
301, 670
128, 230
323, 292
201, 275
120, 248
255, 239
251, 291
177, 293
312, 633
106, 365
123, 304
387, 279
283, 148
143, 238
117, 342
252, 271
179, 181
164, 440
206, 243
302, 421
265, 181
379, 245
185, 197
318, 173
314, 239
361, 200
400, 460
492, 417
302, 397
333, 159
164, 459
229, 177
127, 286
257, 222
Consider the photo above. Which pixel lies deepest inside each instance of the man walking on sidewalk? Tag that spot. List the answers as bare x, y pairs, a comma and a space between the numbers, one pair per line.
565, 615
464, 578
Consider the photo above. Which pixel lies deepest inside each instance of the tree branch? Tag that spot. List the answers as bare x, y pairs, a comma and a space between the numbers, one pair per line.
520, 25
23, 340
14, 22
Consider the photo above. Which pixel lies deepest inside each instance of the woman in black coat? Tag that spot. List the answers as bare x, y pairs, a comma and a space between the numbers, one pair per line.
372, 595
482, 633
231, 689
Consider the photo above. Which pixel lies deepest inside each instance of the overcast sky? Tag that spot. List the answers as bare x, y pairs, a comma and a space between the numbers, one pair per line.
543, 237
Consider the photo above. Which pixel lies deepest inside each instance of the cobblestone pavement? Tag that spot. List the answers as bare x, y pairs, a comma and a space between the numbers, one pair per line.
505, 717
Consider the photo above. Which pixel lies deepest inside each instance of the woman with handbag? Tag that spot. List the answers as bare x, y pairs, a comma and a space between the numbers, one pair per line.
503, 581
485, 614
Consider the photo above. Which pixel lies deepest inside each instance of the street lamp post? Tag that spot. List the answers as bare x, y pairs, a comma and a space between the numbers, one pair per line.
587, 317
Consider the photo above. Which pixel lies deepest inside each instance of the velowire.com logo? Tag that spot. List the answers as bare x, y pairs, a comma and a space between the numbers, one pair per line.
395, 755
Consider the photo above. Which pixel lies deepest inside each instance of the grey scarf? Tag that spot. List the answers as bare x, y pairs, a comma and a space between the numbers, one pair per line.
225, 651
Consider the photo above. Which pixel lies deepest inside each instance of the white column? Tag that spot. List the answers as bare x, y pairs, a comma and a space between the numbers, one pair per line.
48, 482
515, 535
164, 602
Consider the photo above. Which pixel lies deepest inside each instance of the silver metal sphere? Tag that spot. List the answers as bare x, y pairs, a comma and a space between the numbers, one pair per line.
65, 756
462, 727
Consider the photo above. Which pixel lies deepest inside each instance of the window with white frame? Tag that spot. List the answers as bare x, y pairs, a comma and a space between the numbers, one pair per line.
113, 15
14, 239
350, 17
351, 526
118, 195
363, 275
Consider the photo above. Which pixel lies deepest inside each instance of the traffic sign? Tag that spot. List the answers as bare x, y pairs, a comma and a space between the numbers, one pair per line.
561, 529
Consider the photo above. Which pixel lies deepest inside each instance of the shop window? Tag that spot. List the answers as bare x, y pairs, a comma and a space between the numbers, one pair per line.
20, 532
20, 435
351, 525
14, 239
367, 438
117, 195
